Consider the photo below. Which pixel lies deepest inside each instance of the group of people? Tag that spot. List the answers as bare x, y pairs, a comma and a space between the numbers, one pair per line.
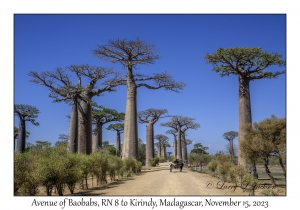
176, 163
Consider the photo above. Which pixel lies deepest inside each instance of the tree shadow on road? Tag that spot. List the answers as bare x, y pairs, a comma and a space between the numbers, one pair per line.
91, 191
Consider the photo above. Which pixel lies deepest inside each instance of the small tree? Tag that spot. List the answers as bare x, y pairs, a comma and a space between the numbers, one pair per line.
261, 142
25, 113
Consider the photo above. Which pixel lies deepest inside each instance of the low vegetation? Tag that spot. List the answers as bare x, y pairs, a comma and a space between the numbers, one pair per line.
54, 168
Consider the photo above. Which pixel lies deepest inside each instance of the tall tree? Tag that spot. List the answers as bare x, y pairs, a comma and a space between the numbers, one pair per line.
150, 116
189, 124
25, 113
131, 53
119, 127
80, 96
161, 144
101, 116
165, 143
16, 133
248, 64
174, 133
181, 124
229, 136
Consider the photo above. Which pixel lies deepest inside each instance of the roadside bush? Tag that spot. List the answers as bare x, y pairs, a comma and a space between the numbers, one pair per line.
51, 167
73, 171
154, 161
132, 166
223, 170
115, 167
26, 178
100, 166
212, 166
251, 182
85, 166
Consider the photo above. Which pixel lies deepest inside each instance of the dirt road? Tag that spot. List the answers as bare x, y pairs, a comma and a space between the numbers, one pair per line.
160, 181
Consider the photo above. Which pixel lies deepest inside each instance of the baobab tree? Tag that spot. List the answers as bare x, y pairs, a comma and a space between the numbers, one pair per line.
16, 133
119, 127
174, 133
161, 144
150, 116
80, 97
189, 124
100, 116
249, 65
131, 53
177, 123
229, 136
25, 113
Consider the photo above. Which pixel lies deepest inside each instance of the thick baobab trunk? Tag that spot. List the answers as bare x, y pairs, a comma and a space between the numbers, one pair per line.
84, 128
97, 143
118, 143
149, 144
21, 136
130, 143
179, 150
184, 149
244, 119
73, 129
159, 149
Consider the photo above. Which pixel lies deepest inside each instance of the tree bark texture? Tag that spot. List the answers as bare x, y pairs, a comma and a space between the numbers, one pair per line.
130, 143
184, 150
118, 143
244, 114
149, 144
97, 143
21, 136
73, 129
179, 150
175, 147
85, 128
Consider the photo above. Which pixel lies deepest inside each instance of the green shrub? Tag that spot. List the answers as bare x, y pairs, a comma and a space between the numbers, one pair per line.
223, 170
115, 167
132, 166
154, 161
100, 166
212, 166
73, 171
271, 192
250, 183
51, 167
26, 178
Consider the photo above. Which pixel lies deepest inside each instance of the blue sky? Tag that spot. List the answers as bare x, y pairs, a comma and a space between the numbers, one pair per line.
44, 42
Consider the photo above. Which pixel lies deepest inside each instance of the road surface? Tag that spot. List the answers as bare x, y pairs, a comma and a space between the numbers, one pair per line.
160, 181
